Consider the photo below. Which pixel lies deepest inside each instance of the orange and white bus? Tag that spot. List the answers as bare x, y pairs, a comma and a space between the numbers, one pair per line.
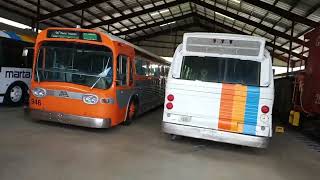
88, 78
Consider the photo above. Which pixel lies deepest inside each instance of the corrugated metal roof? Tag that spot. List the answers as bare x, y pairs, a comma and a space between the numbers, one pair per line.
138, 20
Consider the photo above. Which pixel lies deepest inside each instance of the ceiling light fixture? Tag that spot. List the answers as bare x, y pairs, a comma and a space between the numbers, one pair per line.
14, 24
160, 12
236, 1
223, 15
167, 23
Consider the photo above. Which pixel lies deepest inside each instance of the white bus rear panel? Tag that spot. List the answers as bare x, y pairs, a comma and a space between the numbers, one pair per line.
236, 113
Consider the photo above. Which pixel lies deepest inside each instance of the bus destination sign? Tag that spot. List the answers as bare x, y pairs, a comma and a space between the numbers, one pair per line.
89, 36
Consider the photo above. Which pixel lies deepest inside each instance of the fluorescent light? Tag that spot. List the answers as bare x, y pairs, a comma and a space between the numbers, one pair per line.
224, 15
167, 23
154, 13
14, 24
164, 11
236, 1
167, 58
160, 12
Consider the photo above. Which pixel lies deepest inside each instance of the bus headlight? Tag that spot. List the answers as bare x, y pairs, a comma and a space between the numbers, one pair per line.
39, 92
90, 99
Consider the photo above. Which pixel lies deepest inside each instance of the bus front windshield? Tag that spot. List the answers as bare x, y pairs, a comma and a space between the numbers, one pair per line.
221, 70
83, 64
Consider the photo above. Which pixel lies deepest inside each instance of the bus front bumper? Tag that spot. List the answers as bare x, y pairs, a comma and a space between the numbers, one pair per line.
215, 135
70, 119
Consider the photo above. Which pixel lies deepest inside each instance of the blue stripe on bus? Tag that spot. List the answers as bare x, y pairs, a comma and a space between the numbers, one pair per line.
251, 112
14, 36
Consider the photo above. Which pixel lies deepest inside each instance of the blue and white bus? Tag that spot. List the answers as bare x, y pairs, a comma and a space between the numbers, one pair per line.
15, 70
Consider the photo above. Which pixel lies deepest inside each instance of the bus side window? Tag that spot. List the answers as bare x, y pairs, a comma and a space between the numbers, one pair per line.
154, 70
11, 53
157, 71
141, 67
147, 67
29, 59
122, 65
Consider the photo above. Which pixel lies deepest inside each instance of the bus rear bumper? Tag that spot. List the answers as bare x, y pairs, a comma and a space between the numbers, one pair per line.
214, 135
70, 119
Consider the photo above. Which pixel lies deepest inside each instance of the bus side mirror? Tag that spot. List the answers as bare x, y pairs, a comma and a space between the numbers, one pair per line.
25, 52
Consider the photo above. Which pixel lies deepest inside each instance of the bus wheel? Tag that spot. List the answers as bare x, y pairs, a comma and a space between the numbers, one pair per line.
15, 94
174, 137
132, 111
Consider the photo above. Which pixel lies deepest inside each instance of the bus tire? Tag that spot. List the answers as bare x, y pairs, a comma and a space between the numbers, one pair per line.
131, 113
16, 94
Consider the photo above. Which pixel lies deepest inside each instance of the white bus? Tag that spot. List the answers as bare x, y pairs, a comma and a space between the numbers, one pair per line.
220, 88
15, 70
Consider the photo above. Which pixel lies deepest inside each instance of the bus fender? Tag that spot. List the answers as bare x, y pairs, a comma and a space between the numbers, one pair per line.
136, 99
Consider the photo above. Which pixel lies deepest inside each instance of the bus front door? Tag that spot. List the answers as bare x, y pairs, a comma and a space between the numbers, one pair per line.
124, 83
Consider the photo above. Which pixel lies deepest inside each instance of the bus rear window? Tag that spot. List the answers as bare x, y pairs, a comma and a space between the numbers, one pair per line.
221, 70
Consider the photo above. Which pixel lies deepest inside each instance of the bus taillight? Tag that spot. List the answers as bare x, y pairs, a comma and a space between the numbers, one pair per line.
265, 109
169, 105
170, 97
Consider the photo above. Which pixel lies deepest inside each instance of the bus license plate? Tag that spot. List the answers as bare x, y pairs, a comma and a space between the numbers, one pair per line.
185, 118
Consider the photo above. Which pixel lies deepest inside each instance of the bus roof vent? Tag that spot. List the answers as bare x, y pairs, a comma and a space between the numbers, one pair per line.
226, 45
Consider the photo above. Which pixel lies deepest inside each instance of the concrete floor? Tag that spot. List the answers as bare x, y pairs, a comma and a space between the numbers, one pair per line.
33, 150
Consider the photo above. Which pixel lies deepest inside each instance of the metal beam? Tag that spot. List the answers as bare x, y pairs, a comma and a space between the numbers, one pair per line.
283, 13
290, 47
158, 33
142, 20
71, 9
81, 16
38, 15
270, 44
264, 17
248, 21
137, 13
273, 48
49, 10
30, 10
308, 13
278, 56
155, 24
281, 18
229, 28
120, 12
226, 27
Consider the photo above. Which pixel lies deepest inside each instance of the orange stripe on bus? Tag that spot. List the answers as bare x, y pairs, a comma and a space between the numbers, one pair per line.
238, 109
226, 104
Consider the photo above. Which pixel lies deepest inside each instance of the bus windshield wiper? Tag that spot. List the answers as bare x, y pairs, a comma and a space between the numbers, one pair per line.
103, 74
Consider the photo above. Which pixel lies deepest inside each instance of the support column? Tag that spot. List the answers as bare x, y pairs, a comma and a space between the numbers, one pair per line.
38, 16
175, 41
33, 24
273, 48
81, 23
290, 47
